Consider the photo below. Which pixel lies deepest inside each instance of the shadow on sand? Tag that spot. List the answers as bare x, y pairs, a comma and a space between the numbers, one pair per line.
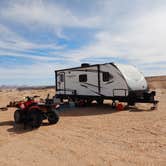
20, 129
95, 109
6, 123
92, 110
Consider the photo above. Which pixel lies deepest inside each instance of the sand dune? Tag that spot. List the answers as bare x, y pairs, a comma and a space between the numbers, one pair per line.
87, 136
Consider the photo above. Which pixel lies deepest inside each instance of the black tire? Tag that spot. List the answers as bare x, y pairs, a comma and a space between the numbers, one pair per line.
113, 105
89, 102
100, 101
53, 117
35, 118
131, 103
17, 116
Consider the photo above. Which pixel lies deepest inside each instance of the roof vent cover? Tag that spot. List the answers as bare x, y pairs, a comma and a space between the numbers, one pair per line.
85, 65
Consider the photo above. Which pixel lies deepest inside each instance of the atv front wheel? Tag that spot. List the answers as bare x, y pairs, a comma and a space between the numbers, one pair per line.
17, 116
53, 117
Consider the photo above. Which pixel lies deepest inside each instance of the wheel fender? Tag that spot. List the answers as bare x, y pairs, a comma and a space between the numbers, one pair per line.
34, 108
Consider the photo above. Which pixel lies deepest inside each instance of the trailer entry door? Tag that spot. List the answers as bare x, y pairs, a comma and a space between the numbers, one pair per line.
61, 82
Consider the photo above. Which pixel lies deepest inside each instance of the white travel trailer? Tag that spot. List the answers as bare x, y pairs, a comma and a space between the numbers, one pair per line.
103, 81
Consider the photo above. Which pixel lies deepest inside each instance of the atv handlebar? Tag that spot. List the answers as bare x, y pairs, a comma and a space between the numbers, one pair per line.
31, 98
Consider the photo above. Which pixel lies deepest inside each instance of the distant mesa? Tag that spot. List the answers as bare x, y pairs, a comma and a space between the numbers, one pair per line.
25, 87
153, 82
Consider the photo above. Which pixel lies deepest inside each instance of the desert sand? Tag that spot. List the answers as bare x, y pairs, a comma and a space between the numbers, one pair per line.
95, 135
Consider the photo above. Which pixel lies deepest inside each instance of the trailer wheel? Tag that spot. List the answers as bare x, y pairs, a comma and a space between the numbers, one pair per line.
89, 102
35, 118
17, 116
100, 101
53, 117
132, 103
113, 105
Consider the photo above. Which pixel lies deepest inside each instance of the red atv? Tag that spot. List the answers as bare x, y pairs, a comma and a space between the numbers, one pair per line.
33, 113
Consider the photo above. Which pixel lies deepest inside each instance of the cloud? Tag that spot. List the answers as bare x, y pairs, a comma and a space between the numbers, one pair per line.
140, 40
13, 45
39, 14
41, 73
47, 33
12, 41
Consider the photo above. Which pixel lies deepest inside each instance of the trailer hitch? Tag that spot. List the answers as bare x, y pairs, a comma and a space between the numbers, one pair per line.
155, 105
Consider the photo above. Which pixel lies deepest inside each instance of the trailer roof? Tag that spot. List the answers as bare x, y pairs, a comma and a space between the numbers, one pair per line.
84, 66
133, 77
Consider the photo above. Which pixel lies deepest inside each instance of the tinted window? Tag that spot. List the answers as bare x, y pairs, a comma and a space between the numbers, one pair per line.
106, 76
83, 78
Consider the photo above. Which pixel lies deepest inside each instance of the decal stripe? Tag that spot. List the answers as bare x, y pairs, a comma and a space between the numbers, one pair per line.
91, 90
91, 84
109, 82
84, 85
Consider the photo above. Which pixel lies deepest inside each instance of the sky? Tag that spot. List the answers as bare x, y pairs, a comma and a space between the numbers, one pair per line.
40, 36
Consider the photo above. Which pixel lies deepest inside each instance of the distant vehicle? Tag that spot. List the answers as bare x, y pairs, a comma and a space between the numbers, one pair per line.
33, 113
117, 82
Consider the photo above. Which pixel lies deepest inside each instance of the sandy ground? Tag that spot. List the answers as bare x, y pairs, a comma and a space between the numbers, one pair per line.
96, 135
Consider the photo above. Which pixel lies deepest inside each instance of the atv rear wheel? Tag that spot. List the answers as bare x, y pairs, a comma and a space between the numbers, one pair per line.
17, 116
53, 117
35, 118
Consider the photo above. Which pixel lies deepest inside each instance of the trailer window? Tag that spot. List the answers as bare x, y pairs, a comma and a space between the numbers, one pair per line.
83, 78
106, 76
